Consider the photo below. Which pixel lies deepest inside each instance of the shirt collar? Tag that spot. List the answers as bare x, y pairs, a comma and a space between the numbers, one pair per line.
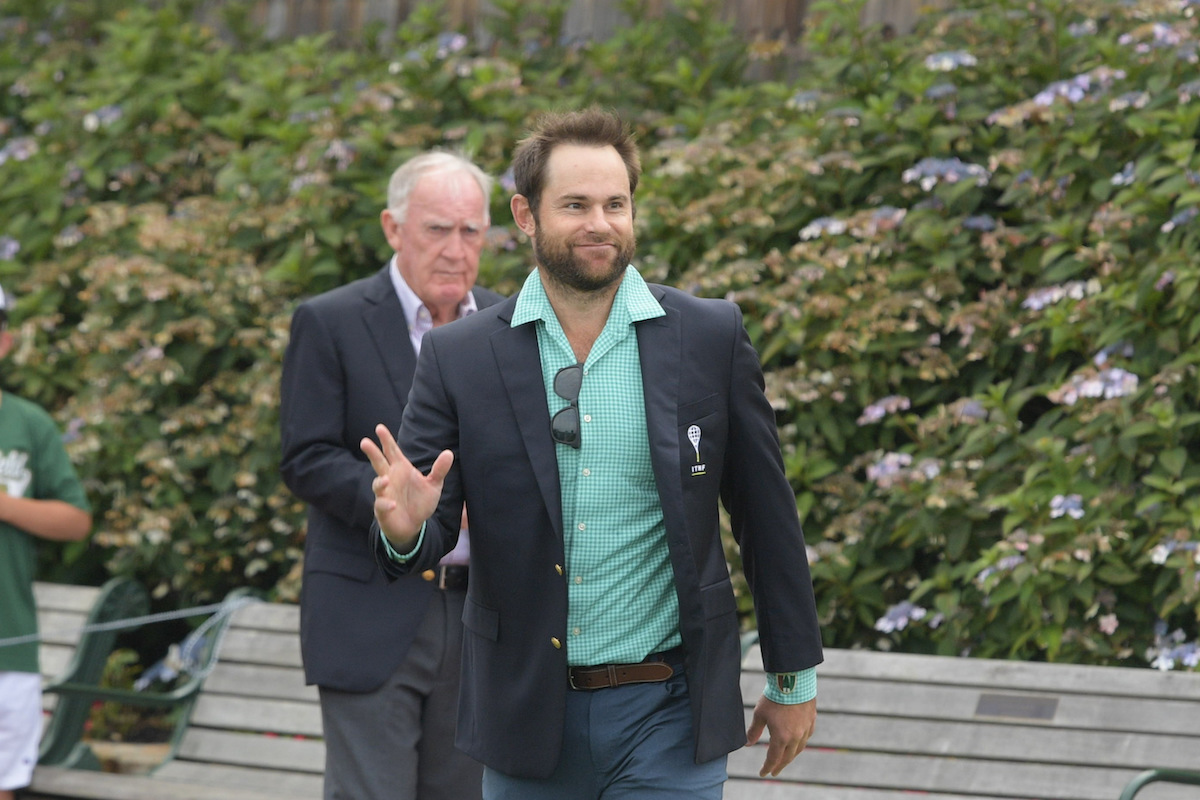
633, 300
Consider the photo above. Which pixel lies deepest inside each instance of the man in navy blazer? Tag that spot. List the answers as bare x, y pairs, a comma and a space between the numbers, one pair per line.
384, 655
575, 445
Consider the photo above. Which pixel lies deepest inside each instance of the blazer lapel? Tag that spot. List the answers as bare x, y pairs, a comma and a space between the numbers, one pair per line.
659, 348
518, 359
384, 317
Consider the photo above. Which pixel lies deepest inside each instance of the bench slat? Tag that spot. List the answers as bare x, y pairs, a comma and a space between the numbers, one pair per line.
261, 647
251, 750
285, 683
272, 783
919, 701
277, 617
1001, 779
983, 740
993, 674
54, 782
248, 713
771, 789
65, 597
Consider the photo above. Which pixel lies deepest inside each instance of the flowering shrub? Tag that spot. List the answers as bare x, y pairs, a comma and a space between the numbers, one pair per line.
966, 258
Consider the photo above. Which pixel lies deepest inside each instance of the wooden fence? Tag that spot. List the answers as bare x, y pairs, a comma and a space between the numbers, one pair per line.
588, 19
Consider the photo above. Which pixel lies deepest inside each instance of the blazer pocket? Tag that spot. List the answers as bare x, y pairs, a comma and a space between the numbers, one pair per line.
481, 620
718, 600
697, 409
348, 565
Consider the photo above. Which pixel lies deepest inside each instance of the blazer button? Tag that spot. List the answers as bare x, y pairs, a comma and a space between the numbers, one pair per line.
557, 644
428, 574
558, 568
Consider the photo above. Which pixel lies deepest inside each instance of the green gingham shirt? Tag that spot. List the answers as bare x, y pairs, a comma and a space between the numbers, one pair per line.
621, 601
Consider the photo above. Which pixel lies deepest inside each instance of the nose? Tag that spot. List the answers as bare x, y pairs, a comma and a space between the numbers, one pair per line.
455, 246
597, 219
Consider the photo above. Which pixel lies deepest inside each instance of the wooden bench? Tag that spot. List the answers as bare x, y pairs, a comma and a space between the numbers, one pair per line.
253, 733
890, 725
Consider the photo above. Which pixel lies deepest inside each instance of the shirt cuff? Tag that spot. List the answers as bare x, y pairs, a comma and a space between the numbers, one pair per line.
797, 687
403, 558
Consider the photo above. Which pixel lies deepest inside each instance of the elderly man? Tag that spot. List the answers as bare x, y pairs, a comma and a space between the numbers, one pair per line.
385, 656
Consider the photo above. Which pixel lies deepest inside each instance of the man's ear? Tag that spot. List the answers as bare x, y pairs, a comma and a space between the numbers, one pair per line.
523, 215
391, 230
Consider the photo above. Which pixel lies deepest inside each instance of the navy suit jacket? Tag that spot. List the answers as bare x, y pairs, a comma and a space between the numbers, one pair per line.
478, 391
348, 366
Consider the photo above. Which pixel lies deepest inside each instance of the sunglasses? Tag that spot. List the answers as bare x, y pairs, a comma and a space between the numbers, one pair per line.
564, 425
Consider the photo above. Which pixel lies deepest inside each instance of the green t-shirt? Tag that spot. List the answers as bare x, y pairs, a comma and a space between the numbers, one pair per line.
33, 464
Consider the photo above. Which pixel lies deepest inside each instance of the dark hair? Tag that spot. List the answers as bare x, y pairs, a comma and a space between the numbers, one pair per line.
592, 127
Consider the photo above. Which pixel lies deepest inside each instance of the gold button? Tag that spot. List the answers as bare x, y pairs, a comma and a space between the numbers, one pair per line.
428, 574
558, 568
557, 644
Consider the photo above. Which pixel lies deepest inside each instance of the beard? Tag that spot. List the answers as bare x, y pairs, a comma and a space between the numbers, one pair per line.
564, 267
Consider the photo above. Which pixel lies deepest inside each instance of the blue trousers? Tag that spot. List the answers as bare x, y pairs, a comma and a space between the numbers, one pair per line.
631, 742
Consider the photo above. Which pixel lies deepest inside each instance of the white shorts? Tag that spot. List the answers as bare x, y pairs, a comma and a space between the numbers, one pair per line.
20, 727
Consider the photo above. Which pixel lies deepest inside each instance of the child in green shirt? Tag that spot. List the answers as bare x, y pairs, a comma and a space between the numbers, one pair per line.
40, 498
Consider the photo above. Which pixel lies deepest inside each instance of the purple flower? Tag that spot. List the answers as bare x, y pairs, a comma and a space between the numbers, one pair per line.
1071, 505
941, 91
931, 171
881, 408
822, 225
1165, 280
450, 42
1040, 298
1080, 29
1180, 219
805, 100
1082, 86
980, 222
21, 148
1186, 91
102, 117
898, 617
1006, 564
1125, 177
950, 60
888, 469
1108, 624
1123, 349
9, 247
341, 152
1108, 384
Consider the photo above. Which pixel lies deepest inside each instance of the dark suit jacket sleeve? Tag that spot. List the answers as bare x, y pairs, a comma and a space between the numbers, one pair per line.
316, 465
429, 426
762, 508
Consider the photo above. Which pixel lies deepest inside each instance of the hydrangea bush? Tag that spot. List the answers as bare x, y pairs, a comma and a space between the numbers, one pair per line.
966, 257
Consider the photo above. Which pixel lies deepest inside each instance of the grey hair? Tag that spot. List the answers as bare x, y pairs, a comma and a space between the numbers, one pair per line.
404, 180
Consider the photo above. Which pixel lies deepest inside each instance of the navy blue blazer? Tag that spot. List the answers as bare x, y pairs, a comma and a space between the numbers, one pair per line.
478, 391
349, 366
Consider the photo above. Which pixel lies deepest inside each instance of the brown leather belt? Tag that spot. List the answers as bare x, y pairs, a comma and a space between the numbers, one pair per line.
448, 576
607, 676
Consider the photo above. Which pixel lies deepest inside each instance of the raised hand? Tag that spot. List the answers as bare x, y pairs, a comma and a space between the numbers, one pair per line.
404, 498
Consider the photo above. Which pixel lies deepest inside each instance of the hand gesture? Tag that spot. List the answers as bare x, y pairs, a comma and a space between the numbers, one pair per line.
404, 498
